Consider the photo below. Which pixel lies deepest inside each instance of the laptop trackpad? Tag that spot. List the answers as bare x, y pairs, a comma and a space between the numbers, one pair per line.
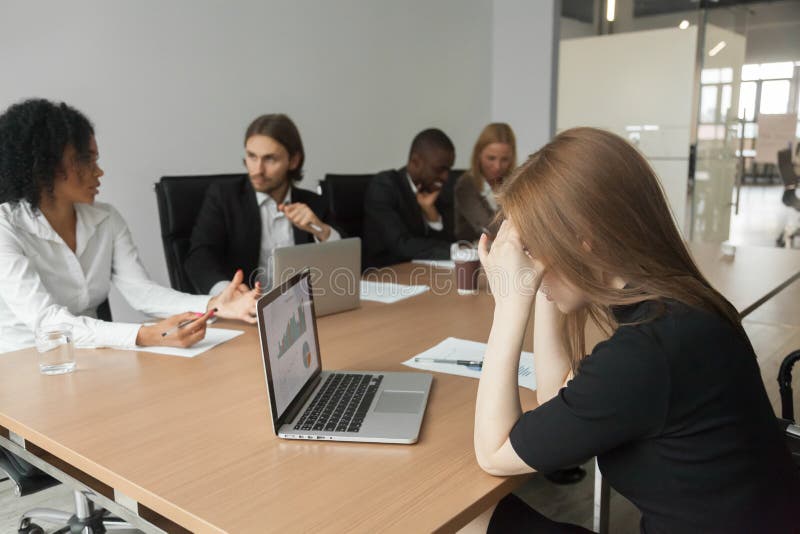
400, 402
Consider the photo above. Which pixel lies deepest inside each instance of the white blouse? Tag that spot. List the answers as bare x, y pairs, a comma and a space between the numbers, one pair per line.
43, 282
488, 194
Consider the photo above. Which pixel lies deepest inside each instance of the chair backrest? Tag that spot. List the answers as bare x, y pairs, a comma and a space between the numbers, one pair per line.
787, 419
447, 201
344, 194
179, 201
786, 169
455, 174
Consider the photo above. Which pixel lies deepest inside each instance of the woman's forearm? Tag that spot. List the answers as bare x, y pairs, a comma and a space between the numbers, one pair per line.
549, 354
498, 406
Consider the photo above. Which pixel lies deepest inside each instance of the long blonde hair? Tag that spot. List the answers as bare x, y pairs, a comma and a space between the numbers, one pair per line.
496, 132
589, 186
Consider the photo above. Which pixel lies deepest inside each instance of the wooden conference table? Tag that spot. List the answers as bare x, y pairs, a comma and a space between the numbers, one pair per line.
187, 443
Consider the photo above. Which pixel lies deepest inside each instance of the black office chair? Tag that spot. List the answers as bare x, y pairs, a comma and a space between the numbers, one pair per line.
29, 479
789, 199
446, 203
179, 201
789, 178
787, 420
344, 194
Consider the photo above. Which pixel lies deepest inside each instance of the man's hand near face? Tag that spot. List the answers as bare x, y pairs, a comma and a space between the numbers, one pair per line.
427, 202
304, 218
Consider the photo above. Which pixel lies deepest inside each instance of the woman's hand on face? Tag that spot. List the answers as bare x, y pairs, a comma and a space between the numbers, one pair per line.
514, 275
183, 330
237, 301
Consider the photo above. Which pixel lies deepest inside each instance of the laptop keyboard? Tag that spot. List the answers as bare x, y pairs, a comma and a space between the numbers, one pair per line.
341, 403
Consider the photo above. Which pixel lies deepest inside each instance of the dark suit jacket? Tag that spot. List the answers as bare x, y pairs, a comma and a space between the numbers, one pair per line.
395, 230
227, 233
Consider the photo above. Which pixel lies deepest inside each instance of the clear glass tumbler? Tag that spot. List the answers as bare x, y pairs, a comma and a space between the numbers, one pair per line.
56, 351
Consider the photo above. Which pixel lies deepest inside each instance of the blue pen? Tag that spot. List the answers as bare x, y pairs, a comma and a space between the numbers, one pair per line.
474, 364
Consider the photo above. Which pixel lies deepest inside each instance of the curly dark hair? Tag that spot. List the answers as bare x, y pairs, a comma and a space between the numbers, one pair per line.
33, 137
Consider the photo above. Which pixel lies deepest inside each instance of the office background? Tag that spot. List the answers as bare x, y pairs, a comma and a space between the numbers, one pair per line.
772, 32
171, 86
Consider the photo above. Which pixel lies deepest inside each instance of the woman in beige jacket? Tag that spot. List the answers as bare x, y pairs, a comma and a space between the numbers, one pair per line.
493, 157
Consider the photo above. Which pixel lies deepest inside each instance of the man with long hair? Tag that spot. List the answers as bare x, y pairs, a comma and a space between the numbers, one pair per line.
243, 221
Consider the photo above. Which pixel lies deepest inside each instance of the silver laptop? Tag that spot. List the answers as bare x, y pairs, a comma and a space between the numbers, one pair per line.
309, 403
335, 272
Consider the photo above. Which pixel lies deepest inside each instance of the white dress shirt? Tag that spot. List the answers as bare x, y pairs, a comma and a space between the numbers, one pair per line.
276, 232
43, 282
437, 226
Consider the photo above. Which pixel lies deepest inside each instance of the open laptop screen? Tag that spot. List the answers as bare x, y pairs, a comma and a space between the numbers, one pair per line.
288, 341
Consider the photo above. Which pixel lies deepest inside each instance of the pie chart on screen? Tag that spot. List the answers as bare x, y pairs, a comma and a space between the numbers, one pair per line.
306, 355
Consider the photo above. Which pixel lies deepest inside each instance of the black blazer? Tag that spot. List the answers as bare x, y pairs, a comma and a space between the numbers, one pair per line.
395, 230
227, 233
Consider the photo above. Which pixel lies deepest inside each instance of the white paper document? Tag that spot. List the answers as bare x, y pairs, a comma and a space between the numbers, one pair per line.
387, 292
214, 337
460, 349
441, 264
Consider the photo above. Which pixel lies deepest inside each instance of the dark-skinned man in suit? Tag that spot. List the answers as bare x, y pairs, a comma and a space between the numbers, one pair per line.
403, 208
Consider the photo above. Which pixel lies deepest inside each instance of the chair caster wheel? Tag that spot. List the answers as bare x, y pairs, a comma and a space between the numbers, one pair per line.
26, 527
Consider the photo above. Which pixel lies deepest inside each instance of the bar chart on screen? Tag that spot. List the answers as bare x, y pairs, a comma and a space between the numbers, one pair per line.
292, 349
295, 328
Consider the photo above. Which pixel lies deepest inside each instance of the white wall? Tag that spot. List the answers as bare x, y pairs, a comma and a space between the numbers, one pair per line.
632, 80
171, 86
524, 69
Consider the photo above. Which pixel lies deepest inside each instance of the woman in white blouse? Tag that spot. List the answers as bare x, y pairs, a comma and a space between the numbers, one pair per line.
60, 251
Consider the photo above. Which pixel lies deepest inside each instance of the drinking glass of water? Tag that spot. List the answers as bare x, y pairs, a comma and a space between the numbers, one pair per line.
56, 354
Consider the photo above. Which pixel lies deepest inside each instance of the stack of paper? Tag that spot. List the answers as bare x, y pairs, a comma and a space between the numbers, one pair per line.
387, 292
440, 264
460, 349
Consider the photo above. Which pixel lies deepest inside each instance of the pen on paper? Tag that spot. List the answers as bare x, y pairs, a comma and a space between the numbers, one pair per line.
184, 323
475, 365
466, 363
